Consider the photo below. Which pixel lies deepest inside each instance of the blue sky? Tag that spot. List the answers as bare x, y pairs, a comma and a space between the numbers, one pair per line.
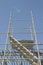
21, 10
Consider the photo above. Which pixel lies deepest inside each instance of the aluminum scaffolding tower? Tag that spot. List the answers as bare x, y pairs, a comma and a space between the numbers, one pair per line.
21, 51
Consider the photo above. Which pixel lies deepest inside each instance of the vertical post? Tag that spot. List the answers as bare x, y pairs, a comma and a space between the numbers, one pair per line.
35, 38
6, 46
8, 33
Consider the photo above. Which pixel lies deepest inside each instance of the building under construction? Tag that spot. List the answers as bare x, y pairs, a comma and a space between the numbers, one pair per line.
21, 47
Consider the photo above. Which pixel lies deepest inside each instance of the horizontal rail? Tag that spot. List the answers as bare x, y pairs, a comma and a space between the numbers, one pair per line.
21, 20
7, 53
21, 33
14, 60
41, 43
21, 28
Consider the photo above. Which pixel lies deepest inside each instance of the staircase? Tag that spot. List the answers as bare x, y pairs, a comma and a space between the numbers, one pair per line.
23, 50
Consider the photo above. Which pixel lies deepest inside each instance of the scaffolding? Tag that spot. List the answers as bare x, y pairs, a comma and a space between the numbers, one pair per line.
21, 51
